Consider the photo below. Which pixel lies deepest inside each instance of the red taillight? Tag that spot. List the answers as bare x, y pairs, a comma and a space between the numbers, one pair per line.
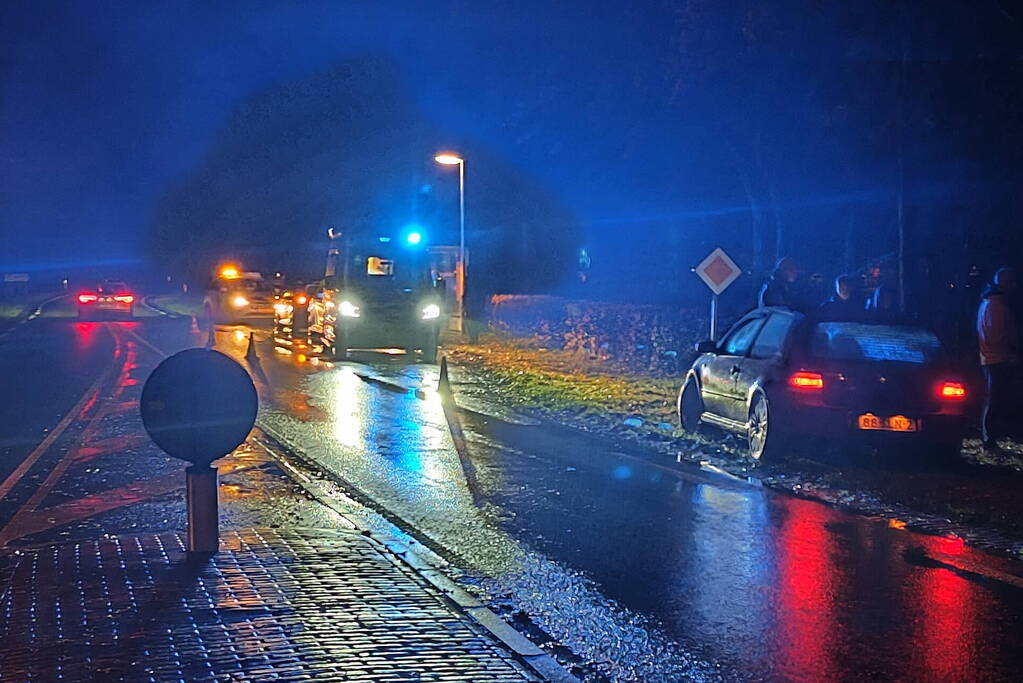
952, 391
301, 300
124, 298
86, 298
807, 381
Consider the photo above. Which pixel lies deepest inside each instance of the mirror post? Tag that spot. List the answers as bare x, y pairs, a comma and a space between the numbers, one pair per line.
201, 486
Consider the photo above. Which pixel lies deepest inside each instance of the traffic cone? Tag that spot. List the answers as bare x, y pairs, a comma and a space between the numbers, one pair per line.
251, 351
195, 326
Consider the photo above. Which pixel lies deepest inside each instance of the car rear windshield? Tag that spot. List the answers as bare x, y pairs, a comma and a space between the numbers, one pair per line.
866, 342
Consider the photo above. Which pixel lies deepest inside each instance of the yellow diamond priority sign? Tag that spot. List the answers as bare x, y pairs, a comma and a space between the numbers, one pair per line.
718, 271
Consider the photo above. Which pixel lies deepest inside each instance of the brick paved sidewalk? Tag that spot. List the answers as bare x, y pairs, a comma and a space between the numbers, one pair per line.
324, 605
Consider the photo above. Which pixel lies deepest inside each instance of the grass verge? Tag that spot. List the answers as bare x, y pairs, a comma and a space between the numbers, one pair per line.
178, 304
535, 376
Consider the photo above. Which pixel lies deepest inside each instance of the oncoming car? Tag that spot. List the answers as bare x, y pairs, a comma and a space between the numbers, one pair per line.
783, 379
110, 298
234, 296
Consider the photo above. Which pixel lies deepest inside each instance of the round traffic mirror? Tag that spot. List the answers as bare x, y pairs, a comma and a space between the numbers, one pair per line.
199, 405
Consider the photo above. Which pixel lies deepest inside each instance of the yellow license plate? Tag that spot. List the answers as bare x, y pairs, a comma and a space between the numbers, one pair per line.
895, 423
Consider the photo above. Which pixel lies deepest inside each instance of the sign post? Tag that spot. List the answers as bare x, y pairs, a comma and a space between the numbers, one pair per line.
717, 271
199, 405
713, 317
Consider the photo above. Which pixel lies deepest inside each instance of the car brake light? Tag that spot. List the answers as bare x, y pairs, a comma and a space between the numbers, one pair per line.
807, 381
124, 298
952, 391
301, 300
86, 298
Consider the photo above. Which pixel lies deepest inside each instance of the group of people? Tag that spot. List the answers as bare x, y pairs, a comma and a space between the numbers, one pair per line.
997, 329
784, 288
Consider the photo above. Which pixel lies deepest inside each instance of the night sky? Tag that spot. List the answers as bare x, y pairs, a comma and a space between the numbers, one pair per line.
650, 122
104, 104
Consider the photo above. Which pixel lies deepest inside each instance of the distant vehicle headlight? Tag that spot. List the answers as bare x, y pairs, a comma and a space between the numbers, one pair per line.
431, 311
239, 302
349, 310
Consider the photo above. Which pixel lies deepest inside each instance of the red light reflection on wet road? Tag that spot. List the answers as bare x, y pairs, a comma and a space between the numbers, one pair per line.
948, 620
85, 334
807, 626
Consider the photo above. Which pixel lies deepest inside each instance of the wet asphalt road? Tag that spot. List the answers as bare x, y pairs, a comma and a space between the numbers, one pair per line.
645, 568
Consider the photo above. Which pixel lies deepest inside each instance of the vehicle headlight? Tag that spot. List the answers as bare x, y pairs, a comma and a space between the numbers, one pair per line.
431, 311
239, 302
349, 310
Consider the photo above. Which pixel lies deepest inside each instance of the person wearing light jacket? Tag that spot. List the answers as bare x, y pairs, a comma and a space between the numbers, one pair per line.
998, 339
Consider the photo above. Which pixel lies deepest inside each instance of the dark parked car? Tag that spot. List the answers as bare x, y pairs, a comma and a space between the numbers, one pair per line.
781, 379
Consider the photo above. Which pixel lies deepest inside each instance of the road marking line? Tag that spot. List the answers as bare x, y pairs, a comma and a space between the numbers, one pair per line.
65, 462
32, 316
87, 399
147, 344
145, 302
137, 491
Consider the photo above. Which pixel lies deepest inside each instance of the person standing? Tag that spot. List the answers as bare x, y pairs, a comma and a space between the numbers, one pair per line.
998, 340
843, 302
782, 288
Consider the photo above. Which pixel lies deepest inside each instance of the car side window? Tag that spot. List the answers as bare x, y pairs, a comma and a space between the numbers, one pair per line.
771, 341
740, 340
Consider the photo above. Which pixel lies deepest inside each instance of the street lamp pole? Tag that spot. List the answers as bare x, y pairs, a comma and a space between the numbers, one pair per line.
450, 160
461, 241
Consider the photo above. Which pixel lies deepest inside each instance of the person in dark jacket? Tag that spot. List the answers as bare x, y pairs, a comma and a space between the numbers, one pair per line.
782, 288
998, 339
883, 300
843, 303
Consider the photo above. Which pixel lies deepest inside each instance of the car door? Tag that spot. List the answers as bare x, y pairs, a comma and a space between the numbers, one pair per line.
718, 373
765, 356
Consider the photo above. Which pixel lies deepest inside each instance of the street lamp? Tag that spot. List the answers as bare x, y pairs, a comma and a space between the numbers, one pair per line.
449, 159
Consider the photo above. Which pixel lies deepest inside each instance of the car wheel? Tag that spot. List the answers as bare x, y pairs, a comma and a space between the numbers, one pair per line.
690, 406
762, 431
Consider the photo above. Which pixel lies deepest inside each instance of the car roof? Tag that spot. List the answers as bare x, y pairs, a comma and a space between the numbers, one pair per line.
818, 316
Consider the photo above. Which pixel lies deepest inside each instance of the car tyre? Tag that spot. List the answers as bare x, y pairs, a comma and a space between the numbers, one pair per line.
690, 406
762, 433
